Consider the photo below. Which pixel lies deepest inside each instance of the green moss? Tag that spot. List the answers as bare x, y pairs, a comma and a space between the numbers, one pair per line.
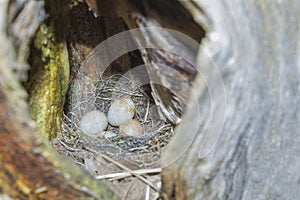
49, 74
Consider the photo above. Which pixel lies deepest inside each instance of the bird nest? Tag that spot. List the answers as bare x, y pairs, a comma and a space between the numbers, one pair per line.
85, 95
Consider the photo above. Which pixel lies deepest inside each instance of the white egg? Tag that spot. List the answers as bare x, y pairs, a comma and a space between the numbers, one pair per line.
131, 127
120, 111
93, 123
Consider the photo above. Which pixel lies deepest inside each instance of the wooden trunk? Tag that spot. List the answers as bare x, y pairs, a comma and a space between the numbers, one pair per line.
254, 128
239, 136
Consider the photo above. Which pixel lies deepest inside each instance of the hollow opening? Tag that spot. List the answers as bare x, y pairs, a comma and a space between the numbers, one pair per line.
159, 93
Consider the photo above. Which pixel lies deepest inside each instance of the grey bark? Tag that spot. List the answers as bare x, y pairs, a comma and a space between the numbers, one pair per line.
255, 46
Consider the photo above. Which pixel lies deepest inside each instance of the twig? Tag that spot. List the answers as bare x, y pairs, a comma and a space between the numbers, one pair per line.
138, 148
125, 168
147, 196
147, 111
69, 148
121, 175
162, 127
105, 98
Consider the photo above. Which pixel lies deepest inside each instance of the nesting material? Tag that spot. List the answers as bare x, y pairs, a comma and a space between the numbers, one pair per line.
120, 111
93, 123
142, 147
132, 128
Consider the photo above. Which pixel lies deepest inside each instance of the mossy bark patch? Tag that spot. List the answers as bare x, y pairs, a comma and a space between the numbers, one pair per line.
49, 75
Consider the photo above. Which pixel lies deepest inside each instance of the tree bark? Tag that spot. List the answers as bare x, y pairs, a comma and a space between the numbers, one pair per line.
240, 133
29, 167
255, 47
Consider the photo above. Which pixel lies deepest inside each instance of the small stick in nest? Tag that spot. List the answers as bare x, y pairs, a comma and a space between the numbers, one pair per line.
125, 168
121, 175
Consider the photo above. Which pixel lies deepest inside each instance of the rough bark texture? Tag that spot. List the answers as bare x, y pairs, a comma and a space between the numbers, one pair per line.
255, 45
29, 167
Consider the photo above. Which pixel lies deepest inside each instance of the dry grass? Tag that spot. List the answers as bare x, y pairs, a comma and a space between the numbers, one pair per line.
126, 156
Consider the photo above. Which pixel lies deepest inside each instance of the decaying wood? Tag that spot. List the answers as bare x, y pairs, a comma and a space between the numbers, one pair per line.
86, 34
169, 15
255, 47
31, 170
29, 167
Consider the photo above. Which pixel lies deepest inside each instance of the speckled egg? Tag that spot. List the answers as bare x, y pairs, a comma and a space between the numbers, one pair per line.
93, 123
120, 111
131, 127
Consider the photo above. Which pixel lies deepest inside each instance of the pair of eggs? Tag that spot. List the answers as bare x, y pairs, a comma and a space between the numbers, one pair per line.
119, 114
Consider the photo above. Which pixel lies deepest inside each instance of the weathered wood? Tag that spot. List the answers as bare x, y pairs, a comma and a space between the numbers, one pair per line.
29, 167
171, 100
255, 47
31, 170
